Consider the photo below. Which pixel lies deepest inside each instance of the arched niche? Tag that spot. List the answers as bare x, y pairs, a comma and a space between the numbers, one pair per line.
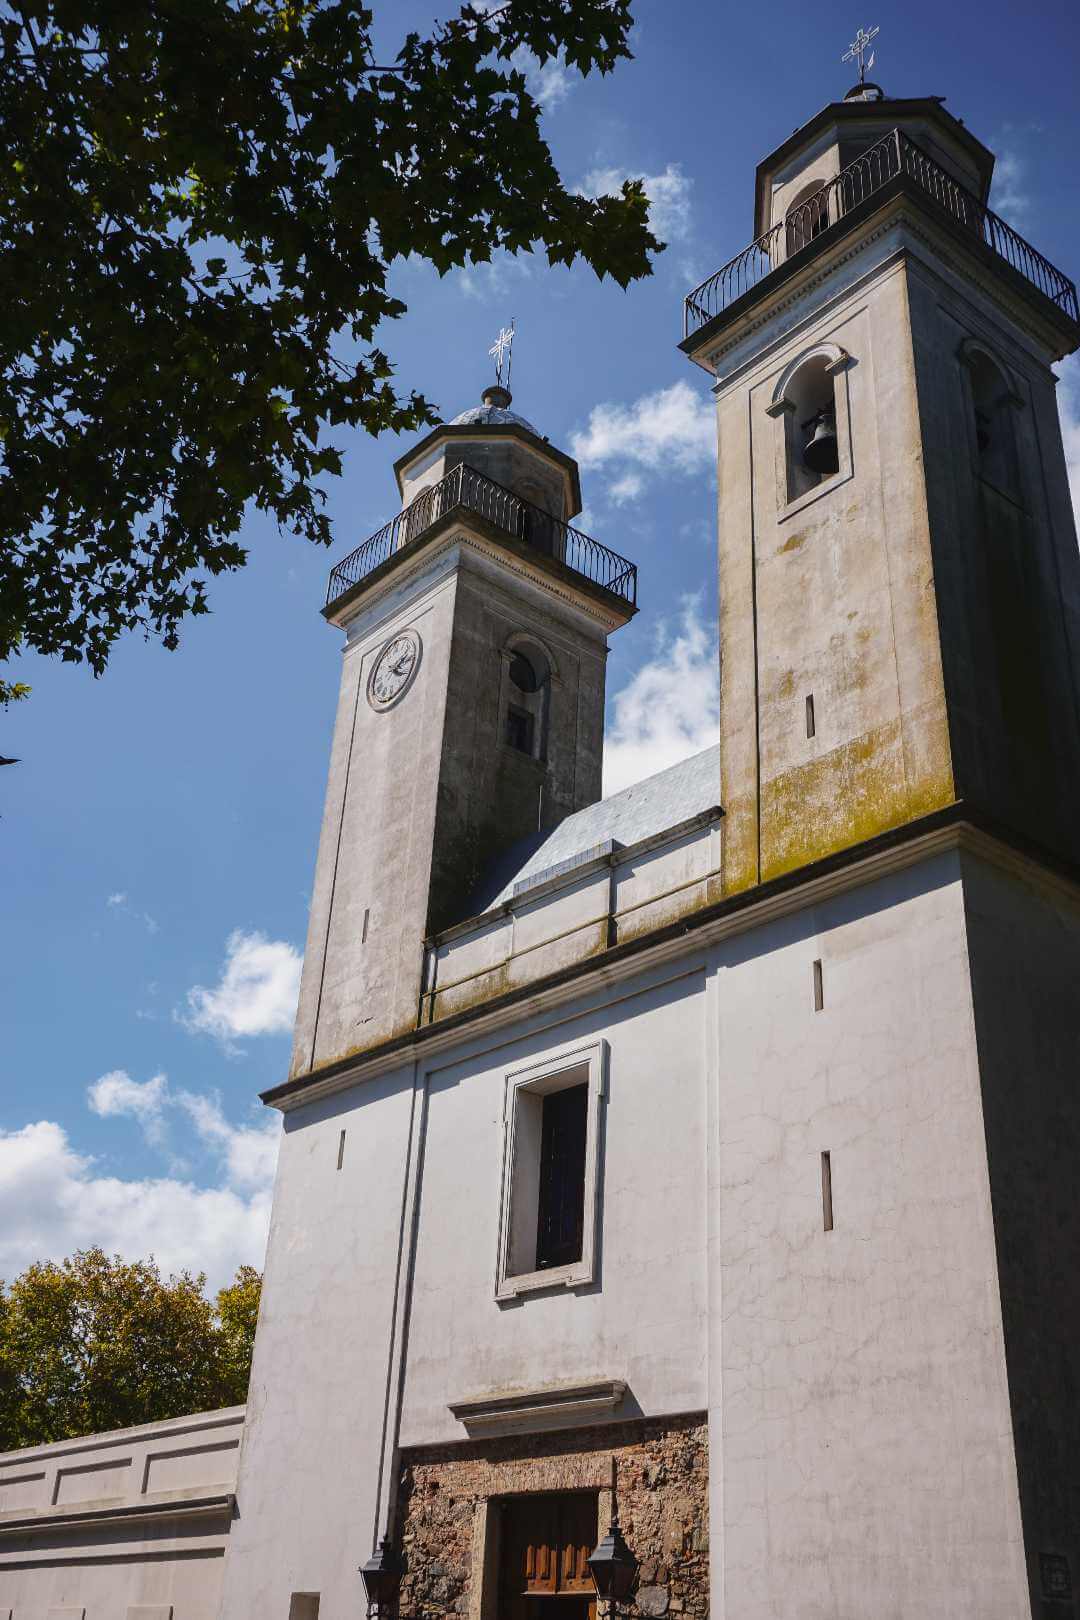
993, 403
810, 403
529, 672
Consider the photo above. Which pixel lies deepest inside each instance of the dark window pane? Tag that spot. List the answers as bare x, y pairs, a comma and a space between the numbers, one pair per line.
519, 730
560, 1223
522, 673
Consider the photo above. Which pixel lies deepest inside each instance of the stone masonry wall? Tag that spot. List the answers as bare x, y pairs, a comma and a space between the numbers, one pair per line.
663, 1477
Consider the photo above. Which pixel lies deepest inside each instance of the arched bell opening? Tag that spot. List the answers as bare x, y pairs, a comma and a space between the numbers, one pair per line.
993, 408
813, 452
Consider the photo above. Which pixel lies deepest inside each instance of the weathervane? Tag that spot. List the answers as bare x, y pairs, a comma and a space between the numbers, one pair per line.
501, 352
857, 50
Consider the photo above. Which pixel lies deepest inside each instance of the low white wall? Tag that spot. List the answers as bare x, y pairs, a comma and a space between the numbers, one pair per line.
128, 1525
606, 901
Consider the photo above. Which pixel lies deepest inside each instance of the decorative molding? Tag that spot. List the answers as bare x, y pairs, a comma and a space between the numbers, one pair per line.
127, 1517
554, 1406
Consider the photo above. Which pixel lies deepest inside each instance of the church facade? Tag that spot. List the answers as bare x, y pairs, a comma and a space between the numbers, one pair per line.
704, 1155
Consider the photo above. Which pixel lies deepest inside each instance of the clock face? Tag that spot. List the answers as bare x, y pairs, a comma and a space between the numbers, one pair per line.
394, 669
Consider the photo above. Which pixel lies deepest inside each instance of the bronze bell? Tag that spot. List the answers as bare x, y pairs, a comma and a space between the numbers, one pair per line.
821, 454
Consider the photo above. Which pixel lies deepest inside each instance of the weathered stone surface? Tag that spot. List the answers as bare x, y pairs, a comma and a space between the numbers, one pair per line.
662, 1475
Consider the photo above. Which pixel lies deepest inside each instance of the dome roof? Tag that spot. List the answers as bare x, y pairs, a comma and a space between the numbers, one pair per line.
490, 416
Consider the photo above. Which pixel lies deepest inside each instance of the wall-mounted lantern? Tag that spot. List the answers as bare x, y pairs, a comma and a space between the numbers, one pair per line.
381, 1576
614, 1568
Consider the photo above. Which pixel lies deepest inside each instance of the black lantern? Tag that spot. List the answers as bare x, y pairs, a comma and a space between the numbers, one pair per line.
613, 1567
381, 1576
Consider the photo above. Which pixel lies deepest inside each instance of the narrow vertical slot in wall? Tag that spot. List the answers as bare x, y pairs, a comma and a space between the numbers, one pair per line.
819, 987
341, 1150
811, 724
364, 927
826, 1191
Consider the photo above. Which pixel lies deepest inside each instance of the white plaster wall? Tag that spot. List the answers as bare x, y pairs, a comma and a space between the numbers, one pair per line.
54, 1555
643, 1320
861, 1449
359, 987
1024, 943
310, 1461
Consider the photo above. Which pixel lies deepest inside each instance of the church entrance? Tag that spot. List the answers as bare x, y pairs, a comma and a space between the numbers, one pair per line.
545, 1546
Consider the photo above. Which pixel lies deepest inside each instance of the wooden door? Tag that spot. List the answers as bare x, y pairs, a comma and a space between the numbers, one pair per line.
546, 1542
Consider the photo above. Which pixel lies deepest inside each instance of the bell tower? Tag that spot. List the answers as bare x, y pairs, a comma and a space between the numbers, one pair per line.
896, 1392
471, 709
900, 584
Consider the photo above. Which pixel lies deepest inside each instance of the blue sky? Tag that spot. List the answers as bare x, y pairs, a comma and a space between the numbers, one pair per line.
159, 836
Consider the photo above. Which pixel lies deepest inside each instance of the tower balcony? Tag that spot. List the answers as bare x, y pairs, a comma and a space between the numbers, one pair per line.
894, 165
468, 496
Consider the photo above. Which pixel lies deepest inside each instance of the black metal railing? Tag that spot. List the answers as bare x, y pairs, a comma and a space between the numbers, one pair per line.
893, 156
464, 487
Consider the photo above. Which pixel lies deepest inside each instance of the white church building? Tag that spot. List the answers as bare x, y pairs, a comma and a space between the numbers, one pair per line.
711, 1151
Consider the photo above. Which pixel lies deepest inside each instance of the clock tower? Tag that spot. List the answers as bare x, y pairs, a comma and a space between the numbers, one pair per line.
471, 710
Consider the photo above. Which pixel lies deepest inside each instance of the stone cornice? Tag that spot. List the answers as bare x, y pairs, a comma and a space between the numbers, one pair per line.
461, 525
555, 1406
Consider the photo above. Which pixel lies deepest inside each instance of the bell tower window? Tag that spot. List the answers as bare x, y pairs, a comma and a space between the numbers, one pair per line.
810, 402
993, 404
527, 697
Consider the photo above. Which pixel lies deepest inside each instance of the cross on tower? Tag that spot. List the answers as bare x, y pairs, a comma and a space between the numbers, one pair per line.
502, 350
857, 50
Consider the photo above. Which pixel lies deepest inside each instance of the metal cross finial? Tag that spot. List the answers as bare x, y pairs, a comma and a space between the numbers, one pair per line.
857, 50
502, 351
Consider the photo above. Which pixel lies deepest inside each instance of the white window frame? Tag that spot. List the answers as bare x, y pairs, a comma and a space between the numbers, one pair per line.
587, 1063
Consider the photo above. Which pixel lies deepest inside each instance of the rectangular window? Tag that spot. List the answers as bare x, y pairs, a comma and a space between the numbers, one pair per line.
561, 1210
519, 729
548, 1219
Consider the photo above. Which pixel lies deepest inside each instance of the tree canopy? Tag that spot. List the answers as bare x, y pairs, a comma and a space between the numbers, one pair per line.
201, 205
97, 1343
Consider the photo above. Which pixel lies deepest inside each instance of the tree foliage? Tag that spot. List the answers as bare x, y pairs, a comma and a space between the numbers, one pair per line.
201, 202
97, 1343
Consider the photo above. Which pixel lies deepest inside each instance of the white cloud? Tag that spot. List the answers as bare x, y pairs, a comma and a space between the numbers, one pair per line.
548, 85
670, 708
1069, 407
485, 281
116, 1094
248, 1153
626, 488
1009, 195
669, 431
256, 994
119, 902
53, 1200
668, 194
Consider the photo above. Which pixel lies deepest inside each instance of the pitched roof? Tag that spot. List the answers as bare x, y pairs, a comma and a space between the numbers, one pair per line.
640, 811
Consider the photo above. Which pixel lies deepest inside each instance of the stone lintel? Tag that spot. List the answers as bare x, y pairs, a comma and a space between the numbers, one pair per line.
554, 1406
